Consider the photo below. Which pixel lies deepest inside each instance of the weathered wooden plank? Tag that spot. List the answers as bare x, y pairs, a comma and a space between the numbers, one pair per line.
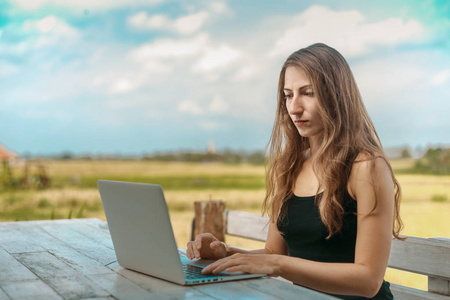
78, 233
94, 229
32, 290
3, 296
160, 288
439, 285
45, 265
97, 224
12, 270
120, 287
76, 287
247, 225
79, 241
62, 277
15, 240
424, 256
283, 289
401, 292
79, 261
101, 298
234, 290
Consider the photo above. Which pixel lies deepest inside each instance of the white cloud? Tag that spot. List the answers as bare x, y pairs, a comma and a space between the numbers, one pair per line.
142, 20
217, 105
170, 48
50, 31
46, 24
51, 24
122, 86
217, 58
219, 7
347, 31
382, 79
245, 72
82, 4
188, 24
440, 78
162, 55
191, 107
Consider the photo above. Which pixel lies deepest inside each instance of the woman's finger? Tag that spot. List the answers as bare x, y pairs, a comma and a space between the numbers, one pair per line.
219, 265
197, 245
189, 250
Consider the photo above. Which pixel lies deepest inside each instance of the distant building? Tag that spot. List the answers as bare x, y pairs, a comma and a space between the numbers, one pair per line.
211, 147
6, 154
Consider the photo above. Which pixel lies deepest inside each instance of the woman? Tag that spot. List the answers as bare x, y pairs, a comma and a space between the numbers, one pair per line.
331, 195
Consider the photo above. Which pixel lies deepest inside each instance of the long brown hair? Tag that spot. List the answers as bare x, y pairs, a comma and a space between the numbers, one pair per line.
348, 131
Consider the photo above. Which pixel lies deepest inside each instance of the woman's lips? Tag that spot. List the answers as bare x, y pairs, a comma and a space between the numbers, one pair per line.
300, 123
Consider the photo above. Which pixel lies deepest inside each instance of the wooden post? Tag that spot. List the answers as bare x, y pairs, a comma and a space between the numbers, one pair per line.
210, 217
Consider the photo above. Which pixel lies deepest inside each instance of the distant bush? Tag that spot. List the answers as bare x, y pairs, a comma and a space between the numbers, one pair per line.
34, 176
435, 161
226, 157
439, 198
406, 153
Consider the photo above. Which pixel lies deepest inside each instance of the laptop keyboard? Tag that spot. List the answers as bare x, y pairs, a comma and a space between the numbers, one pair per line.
195, 272
192, 272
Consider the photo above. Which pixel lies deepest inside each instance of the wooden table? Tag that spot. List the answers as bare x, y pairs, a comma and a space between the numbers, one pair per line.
75, 259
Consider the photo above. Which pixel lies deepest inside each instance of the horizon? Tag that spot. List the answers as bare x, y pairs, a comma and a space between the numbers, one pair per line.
394, 152
134, 77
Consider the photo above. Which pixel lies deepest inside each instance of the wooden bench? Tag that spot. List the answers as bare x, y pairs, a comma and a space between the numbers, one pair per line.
429, 257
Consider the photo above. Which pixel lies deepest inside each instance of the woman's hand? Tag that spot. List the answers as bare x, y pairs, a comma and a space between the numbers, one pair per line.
248, 263
206, 245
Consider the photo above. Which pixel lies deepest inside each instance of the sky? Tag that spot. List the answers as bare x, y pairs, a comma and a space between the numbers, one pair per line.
136, 76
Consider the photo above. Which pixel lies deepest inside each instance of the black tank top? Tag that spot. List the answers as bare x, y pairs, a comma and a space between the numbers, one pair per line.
305, 236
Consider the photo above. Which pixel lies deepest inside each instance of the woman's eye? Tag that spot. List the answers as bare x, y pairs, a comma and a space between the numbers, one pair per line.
309, 94
288, 96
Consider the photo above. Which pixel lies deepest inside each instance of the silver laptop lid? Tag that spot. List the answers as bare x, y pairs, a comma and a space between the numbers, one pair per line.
139, 223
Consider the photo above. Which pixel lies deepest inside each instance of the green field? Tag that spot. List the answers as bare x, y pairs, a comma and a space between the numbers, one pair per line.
425, 203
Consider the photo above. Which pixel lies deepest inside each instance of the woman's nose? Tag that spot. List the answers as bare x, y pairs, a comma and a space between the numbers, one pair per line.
295, 106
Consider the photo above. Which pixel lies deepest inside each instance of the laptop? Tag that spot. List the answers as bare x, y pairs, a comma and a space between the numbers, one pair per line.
143, 239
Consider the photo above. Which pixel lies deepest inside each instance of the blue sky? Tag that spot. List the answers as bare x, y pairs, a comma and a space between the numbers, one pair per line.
135, 76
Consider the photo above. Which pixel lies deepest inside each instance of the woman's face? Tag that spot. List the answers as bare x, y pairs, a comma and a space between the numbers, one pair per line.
302, 103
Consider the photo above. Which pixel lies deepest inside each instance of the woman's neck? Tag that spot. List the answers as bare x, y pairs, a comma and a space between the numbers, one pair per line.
314, 143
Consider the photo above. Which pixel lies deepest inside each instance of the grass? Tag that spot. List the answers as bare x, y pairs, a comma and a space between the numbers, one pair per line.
74, 194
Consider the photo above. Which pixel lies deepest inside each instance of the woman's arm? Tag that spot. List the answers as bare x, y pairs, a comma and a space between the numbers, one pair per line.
374, 234
275, 244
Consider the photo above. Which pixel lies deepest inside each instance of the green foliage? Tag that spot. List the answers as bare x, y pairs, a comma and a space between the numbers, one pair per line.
14, 179
80, 212
184, 182
439, 198
406, 153
256, 158
226, 157
44, 202
435, 161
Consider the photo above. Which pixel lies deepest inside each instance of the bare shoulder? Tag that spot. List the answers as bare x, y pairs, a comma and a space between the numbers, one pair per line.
367, 164
369, 173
